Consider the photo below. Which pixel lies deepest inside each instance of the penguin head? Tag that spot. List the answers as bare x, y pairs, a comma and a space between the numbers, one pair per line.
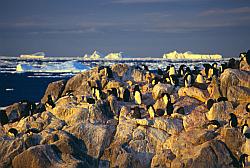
248, 57
210, 103
214, 65
248, 107
12, 132
233, 116
136, 88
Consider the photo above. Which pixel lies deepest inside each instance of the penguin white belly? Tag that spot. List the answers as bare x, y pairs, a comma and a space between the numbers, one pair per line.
151, 112
172, 71
137, 97
199, 79
97, 94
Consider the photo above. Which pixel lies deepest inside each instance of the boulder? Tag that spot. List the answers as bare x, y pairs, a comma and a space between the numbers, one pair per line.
220, 111
234, 77
194, 92
161, 88
120, 69
54, 89
238, 94
163, 158
214, 89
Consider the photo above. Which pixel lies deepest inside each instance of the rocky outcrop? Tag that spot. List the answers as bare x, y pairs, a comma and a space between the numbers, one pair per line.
194, 92
233, 77
54, 89
220, 111
161, 88
238, 94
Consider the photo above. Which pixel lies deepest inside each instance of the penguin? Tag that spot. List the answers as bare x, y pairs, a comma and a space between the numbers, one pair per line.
215, 65
188, 70
174, 80
126, 95
207, 67
210, 103
50, 102
159, 112
32, 130
172, 70
169, 106
220, 99
244, 128
154, 81
248, 107
69, 93
199, 79
96, 93
242, 160
248, 57
137, 95
89, 100
12, 132
3, 117
151, 111
213, 124
180, 111
181, 70
114, 92
233, 122
188, 80
159, 72
136, 113
222, 67
231, 63
109, 72
145, 68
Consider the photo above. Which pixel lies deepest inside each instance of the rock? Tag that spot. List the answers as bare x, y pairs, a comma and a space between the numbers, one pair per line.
234, 77
188, 103
196, 119
54, 89
96, 137
161, 88
16, 111
220, 111
238, 94
214, 89
244, 66
163, 158
113, 84
194, 92
120, 69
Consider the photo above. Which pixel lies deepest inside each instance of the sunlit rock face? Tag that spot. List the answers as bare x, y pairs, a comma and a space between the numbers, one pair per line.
83, 131
190, 55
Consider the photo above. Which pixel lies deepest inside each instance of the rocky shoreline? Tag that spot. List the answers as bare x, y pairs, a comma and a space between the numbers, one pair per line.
73, 126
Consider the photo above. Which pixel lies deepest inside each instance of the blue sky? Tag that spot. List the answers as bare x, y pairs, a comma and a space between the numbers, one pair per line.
140, 28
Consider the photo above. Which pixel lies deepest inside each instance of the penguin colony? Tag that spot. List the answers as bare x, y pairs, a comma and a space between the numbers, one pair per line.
134, 95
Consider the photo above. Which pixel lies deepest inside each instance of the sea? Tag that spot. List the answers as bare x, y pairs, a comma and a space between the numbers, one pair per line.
31, 83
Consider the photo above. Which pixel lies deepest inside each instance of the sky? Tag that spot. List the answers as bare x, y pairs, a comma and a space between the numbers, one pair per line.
139, 28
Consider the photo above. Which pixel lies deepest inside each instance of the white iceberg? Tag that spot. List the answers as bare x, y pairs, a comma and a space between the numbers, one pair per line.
38, 55
112, 56
94, 56
68, 66
190, 55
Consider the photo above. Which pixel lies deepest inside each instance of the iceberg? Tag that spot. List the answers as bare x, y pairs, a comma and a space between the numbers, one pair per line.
38, 55
94, 56
68, 66
112, 56
190, 55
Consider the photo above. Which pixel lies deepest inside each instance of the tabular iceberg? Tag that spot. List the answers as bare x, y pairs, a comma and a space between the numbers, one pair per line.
95, 55
190, 55
69, 66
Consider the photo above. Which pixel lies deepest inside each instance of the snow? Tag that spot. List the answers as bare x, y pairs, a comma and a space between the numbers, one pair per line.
190, 55
38, 55
68, 66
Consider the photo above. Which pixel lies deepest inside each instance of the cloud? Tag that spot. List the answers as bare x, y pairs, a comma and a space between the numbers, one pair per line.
239, 10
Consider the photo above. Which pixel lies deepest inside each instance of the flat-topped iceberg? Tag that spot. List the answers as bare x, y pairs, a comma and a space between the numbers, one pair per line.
68, 66
190, 55
38, 55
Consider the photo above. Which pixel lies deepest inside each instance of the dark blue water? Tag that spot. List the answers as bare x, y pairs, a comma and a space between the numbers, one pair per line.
24, 87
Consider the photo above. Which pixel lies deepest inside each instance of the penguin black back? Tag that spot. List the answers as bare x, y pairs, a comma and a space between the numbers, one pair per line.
242, 160
159, 71
233, 120
220, 99
210, 103
50, 101
136, 113
126, 95
248, 57
3, 117
32, 130
109, 72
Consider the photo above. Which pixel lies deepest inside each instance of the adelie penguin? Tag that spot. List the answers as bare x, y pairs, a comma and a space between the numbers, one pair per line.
96, 93
137, 95
12, 132
210, 103
188, 80
169, 106
244, 128
199, 79
181, 70
233, 122
172, 70
3, 117
136, 113
248, 107
174, 80
50, 102
126, 95
151, 111
242, 160
108, 72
